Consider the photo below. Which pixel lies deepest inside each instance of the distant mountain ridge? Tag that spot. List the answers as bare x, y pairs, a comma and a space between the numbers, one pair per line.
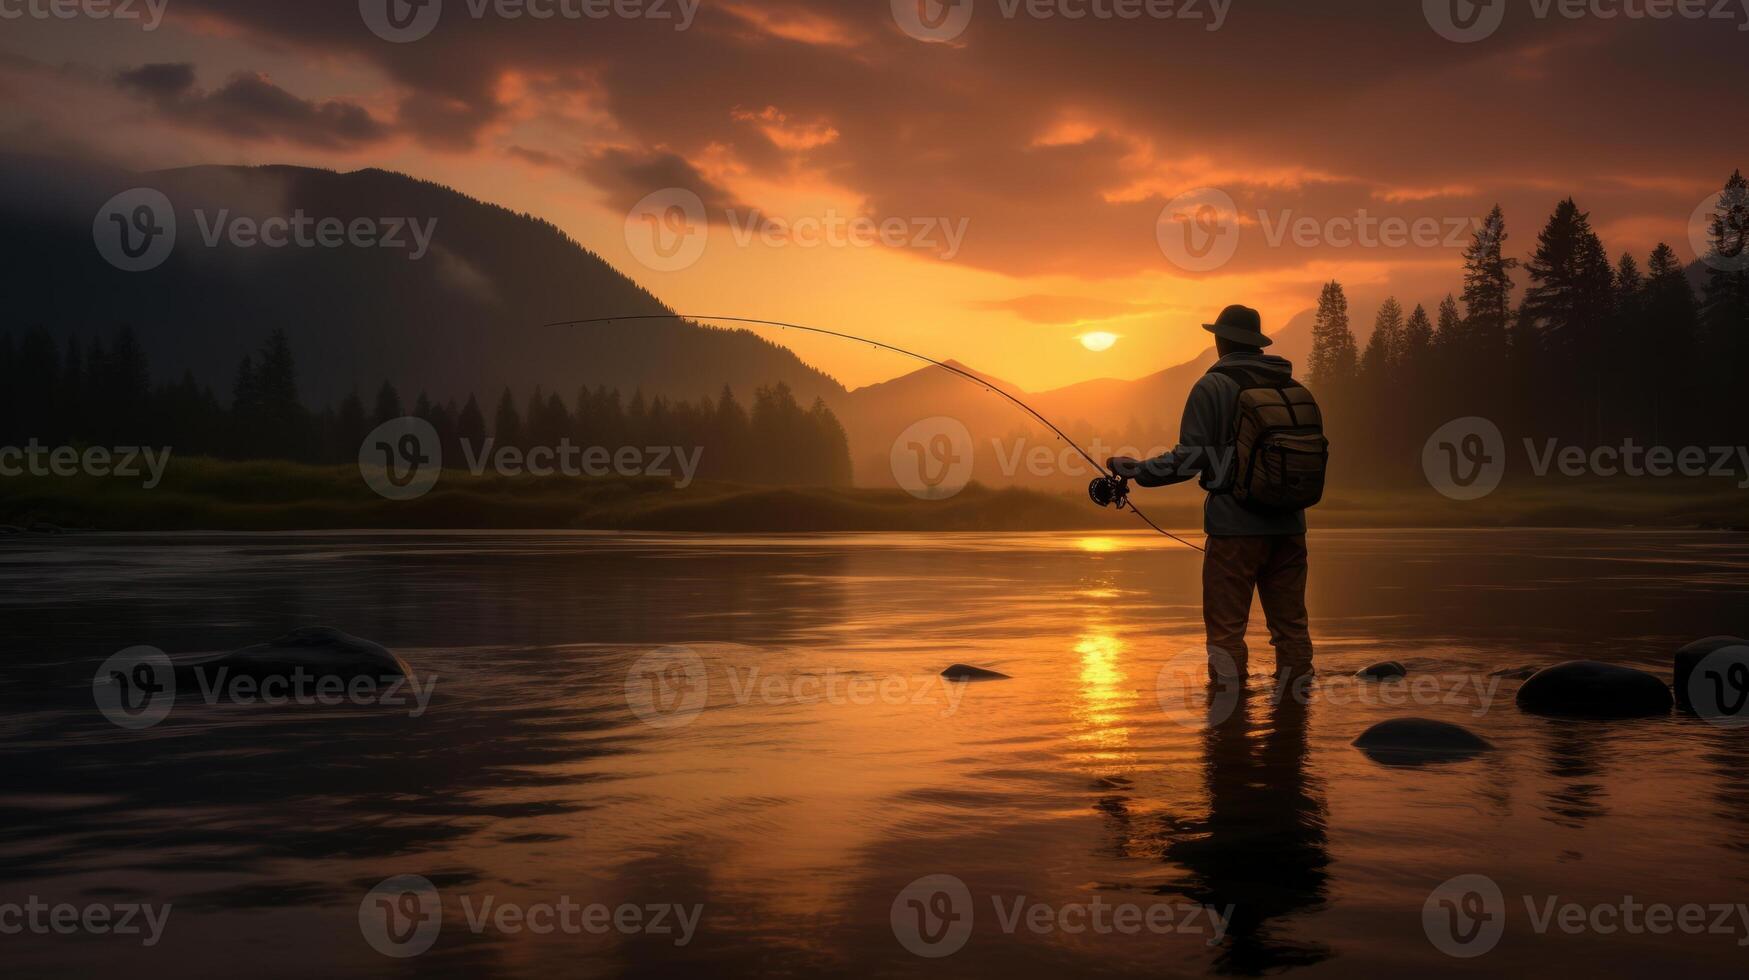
467, 317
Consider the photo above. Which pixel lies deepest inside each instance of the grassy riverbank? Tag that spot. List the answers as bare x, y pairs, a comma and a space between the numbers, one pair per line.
207, 494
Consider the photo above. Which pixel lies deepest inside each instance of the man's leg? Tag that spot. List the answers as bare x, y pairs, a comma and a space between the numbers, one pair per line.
1229, 577
1281, 584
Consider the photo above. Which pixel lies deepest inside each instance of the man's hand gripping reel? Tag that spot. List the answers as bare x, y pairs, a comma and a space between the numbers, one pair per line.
1109, 491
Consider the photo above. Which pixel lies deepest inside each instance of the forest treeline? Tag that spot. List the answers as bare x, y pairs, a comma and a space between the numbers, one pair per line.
1594, 351
103, 394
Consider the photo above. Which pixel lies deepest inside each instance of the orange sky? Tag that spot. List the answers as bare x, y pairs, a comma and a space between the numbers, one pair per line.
1054, 146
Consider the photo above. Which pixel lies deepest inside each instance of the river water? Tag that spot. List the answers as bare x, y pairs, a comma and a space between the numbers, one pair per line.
737, 755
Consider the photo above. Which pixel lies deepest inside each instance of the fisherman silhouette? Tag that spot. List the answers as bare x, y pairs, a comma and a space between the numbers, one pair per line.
1253, 438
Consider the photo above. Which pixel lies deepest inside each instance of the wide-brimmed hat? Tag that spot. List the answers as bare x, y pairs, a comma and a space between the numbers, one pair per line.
1240, 324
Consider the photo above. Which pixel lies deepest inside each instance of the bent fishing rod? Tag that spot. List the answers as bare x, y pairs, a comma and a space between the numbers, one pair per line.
1109, 489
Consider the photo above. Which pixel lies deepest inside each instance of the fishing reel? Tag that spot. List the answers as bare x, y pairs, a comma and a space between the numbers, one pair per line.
1109, 491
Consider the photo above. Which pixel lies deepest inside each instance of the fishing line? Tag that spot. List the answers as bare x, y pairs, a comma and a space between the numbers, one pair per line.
1122, 501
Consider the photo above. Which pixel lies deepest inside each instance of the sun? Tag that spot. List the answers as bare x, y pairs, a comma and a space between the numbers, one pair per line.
1098, 340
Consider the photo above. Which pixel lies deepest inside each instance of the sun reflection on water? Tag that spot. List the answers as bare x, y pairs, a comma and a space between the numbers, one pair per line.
1106, 696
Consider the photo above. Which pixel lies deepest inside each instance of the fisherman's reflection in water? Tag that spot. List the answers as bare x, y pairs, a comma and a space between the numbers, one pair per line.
1262, 849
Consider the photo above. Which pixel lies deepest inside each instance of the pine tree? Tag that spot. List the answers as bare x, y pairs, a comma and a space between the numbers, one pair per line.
388, 405
1567, 308
1334, 360
506, 424
1668, 339
470, 425
1725, 306
1487, 291
1450, 325
1384, 349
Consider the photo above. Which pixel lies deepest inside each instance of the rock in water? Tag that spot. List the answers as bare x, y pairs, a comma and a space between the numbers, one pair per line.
1414, 741
1588, 689
1691, 655
315, 650
963, 672
1382, 670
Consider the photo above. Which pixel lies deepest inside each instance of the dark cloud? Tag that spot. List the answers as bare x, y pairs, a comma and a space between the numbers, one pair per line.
249, 106
627, 177
1322, 108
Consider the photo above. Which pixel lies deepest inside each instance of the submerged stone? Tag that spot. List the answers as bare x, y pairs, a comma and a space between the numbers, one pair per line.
315, 650
964, 672
1588, 689
1413, 741
1382, 670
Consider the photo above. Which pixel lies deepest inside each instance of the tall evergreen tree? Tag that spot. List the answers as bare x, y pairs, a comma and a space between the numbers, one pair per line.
1487, 292
1334, 358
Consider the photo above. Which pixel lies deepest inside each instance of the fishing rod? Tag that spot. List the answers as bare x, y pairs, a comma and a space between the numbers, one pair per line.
1108, 489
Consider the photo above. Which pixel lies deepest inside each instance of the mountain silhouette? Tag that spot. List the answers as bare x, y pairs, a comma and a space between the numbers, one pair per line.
465, 317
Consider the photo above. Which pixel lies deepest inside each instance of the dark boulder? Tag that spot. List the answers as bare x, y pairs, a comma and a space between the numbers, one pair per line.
320, 651
963, 672
1382, 670
1588, 689
1416, 741
1691, 655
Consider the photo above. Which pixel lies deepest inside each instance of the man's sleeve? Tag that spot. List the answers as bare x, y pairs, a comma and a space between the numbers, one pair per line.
1197, 439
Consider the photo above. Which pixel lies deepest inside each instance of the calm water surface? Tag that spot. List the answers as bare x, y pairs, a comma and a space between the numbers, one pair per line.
829, 767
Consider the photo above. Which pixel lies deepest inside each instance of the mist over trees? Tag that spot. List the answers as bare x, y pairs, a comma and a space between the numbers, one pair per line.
1594, 352
102, 394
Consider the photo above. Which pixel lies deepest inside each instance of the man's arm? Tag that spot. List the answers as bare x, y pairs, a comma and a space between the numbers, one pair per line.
1198, 441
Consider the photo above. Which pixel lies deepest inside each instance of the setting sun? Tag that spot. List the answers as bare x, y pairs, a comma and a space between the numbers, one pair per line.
1098, 340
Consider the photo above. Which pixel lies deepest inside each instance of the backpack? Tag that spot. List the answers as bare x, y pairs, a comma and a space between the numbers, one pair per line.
1280, 453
